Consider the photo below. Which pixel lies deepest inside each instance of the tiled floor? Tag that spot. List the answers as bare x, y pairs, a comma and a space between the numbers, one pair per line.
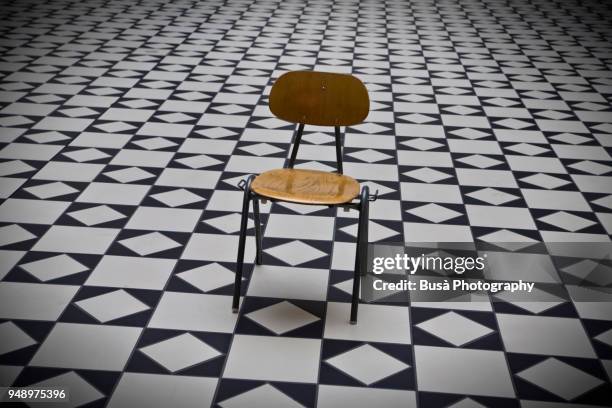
125, 127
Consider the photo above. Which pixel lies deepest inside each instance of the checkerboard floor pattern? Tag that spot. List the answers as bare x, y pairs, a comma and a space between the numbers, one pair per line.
125, 127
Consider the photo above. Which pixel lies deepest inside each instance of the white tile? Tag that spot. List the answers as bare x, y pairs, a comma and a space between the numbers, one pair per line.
81, 391
300, 226
208, 146
288, 282
114, 193
419, 158
500, 217
131, 272
331, 396
29, 151
547, 335
560, 378
367, 364
441, 369
112, 305
216, 247
162, 391
31, 211
264, 395
126, 157
86, 240
180, 352
87, 346
13, 338
555, 200
377, 323
282, 317
190, 311
8, 259
69, 171
34, 301
440, 193
486, 178
188, 178
53, 267
253, 164
264, 358
426, 232
164, 219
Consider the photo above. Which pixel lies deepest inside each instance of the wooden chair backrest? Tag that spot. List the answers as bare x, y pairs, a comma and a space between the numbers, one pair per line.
319, 98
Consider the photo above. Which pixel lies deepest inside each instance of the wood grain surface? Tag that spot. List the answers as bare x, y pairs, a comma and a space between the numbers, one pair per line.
306, 186
319, 98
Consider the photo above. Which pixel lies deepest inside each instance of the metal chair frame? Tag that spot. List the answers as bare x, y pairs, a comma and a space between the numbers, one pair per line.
361, 205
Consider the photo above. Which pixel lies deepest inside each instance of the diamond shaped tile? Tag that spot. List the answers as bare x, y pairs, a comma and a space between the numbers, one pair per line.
434, 212
560, 378
469, 133
604, 201
318, 138
230, 109
461, 110
261, 149
591, 167
115, 127
295, 252
199, 161
86, 155
47, 137
54, 267
282, 317
175, 117
229, 223
592, 272
427, 175
11, 234
376, 231
567, 221
418, 118
513, 123
14, 167
480, 161
369, 155
545, 180
208, 277
51, 190
129, 174
216, 133
422, 144
528, 149
180, 352
367, 364
492, 196
154, 143
96, 215
570, 138
81, 391
13, 338
264, 395
177, 198
112, 305
454, 328
148, 244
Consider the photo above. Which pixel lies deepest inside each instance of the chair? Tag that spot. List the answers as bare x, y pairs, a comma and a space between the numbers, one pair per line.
322, 99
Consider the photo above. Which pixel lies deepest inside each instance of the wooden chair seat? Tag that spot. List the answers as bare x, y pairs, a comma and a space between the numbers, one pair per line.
306, 186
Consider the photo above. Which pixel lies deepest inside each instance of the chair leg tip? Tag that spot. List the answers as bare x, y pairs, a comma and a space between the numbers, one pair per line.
353, 322
234, 310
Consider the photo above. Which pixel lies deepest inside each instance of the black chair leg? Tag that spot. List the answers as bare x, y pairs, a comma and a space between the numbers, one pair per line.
241, 243
258, 238
360, 253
